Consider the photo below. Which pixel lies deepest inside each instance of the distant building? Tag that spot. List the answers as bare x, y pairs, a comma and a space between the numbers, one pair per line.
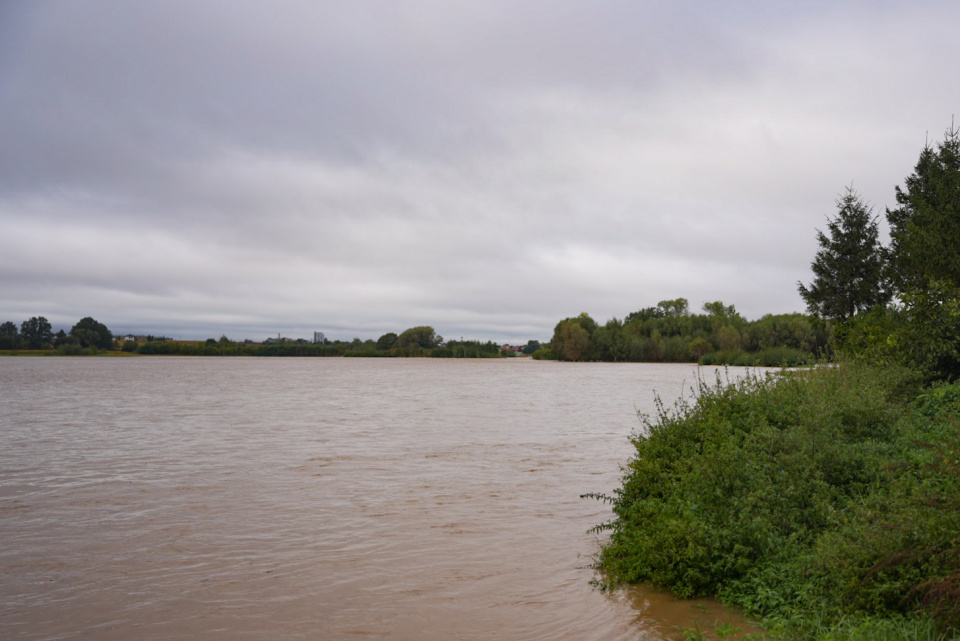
318, 337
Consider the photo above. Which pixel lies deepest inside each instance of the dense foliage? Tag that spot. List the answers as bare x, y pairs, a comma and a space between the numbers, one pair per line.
923, 329
800, 498
90, 333
8, 335
670, 333
36, 333
925, 227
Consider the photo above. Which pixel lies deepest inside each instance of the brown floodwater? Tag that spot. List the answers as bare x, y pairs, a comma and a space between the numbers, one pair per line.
326, 498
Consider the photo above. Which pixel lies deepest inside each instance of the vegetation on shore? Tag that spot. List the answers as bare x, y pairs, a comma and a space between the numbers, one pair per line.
36, 335
89, 337
827, 503
670, 333
667, 332
806, 500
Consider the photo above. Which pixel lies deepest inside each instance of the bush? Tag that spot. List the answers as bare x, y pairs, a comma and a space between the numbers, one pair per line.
544, 354
806, 499
923, 334
147, 348
70, 349
783, 357
770, 357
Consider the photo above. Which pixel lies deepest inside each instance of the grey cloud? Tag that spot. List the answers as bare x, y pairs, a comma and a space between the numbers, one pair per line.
487, 168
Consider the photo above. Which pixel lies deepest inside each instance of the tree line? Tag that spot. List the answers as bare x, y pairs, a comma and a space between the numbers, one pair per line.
415, 341
669, 332
89, 336
36, 333
898, 303
420, 341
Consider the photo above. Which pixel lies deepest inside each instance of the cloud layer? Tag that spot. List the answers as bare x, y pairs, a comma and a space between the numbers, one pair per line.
206, 168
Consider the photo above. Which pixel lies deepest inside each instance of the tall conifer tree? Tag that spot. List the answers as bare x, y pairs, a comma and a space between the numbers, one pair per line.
849, 268
925, 227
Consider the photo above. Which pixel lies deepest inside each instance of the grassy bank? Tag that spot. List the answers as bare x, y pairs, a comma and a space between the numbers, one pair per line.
828, 505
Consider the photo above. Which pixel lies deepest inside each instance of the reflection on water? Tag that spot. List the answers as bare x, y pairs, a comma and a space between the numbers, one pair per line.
174, 498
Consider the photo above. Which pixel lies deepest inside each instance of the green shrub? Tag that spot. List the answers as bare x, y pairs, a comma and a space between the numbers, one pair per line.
769, 357
70, 349
544, 354
824, 497
783, 357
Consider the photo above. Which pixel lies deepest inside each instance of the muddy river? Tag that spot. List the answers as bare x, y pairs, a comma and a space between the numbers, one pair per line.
253, 498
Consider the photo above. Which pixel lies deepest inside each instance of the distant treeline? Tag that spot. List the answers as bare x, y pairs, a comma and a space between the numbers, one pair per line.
420, 341
86, 337
89, 337
213, 347
670, 333
665, 333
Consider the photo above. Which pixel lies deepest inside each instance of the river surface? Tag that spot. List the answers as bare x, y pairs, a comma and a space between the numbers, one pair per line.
319, 498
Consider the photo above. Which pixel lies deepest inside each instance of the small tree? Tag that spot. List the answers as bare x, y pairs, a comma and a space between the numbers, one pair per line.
36, 333
573, 338
8, 335
698, 347
531, 346
386, 341
571, 342
849, 268
728, 338
721, 316
675, 308
90, 333
422, 336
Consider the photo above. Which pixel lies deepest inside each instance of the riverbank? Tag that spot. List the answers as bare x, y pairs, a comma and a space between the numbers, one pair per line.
828, 505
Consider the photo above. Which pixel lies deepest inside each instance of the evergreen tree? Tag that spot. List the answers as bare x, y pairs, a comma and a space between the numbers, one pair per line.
849, 268
925, 227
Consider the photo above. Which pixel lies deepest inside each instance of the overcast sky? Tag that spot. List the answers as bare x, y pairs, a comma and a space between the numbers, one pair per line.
196, 168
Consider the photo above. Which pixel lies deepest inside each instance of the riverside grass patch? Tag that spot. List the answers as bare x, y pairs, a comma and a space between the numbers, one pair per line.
822, 503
